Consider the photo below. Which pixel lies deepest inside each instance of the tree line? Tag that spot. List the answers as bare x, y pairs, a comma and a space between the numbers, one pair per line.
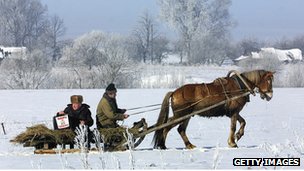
97, 58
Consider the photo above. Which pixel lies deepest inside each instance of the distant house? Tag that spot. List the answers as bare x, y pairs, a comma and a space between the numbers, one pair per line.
12, 52
290, 55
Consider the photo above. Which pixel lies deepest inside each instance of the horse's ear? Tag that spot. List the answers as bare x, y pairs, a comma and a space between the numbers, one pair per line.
273, 72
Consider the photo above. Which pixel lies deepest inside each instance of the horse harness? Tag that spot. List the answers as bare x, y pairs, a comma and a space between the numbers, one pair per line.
239, 79
222, 82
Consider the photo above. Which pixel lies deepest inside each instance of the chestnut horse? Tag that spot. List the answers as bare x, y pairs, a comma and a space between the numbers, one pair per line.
194, 97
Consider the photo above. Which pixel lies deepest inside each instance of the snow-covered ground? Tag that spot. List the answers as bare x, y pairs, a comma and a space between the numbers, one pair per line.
274, 129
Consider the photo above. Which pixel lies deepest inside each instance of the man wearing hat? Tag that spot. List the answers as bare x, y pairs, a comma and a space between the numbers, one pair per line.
78, 112
108, 113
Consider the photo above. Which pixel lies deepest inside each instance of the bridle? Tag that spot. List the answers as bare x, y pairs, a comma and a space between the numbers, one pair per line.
245, 80
257, 86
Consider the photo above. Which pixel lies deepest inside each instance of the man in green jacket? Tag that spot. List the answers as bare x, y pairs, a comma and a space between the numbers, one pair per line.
108, 113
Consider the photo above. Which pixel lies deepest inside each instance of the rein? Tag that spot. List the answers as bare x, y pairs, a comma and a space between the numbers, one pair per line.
143, 107
136, 113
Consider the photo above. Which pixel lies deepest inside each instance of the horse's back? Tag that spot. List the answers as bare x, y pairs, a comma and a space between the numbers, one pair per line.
204, 94
190, 92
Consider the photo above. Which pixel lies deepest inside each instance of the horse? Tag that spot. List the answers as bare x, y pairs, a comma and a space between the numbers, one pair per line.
194, 97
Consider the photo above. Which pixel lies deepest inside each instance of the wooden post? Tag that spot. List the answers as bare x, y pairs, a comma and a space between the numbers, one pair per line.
2, 124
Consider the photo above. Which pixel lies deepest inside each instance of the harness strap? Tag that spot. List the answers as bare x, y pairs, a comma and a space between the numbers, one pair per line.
207, 89
224, 90
241, 78
237, 81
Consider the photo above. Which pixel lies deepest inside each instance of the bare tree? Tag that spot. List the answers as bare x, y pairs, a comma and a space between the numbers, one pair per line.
249, 45
146, 43
160, 48
145, 34
55, 31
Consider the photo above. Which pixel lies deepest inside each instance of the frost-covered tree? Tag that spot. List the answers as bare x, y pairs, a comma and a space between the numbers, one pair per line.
96, 59
268, 62
117, 66
187, 17
25, 72
22, 22
213, 46
203, 27
27, 23
85, 50
80, 58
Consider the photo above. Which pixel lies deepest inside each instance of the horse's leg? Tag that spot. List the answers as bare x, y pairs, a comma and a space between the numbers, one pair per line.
162, 143
242, 122
182, 131
231, 140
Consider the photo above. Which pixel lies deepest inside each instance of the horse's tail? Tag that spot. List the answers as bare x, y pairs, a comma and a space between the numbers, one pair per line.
162, 118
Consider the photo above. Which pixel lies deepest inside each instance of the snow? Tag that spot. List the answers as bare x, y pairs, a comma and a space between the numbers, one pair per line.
274, 129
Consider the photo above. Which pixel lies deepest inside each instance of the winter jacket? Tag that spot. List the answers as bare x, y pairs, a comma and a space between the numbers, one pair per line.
83, 113
108, 113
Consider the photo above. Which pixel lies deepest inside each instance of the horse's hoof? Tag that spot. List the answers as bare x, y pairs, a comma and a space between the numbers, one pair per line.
161, 147
190, 146
233, 145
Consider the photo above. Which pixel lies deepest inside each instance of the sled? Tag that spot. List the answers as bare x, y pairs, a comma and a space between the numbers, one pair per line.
45, 140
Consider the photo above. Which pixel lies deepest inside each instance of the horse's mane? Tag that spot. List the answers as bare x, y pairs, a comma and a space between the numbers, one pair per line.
254, 76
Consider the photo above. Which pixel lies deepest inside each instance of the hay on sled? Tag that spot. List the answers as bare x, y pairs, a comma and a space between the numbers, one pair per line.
37, 135
115, 138
65, 136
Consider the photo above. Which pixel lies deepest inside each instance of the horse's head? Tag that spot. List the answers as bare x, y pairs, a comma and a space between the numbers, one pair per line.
261, 81
265, 85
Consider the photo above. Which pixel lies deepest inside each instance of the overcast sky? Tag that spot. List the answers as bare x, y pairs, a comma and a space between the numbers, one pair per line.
262, 19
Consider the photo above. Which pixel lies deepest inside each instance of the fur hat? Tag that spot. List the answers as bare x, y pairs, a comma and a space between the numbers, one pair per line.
111, 87
76, 99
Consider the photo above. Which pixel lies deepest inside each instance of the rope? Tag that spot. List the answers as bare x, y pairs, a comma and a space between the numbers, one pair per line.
136, 113
144, 107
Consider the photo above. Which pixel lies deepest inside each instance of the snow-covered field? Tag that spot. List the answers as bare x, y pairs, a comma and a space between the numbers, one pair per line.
274, 129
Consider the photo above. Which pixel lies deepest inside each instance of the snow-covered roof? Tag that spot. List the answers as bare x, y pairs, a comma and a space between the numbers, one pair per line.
12, 51
241, 58
281, 55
